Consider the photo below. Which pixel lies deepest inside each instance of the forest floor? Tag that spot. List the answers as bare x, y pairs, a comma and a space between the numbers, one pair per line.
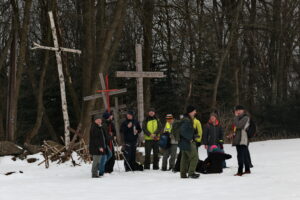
276, 175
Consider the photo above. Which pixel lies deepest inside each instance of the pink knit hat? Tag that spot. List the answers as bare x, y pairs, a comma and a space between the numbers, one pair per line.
212, 148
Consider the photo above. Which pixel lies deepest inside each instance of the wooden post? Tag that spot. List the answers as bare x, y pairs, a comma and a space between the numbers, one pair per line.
61, 82
140, 91
102, 83
117, 123
139, 74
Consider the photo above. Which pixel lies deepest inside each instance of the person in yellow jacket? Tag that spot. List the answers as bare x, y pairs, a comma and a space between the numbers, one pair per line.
171, 150
198, 132
152, 128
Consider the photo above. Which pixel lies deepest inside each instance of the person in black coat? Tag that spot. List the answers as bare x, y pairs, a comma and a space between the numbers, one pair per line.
130, 130
213, 163
97, 143
213, 133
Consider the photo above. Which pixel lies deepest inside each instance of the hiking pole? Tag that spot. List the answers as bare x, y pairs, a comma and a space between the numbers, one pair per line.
125, 158
118, 155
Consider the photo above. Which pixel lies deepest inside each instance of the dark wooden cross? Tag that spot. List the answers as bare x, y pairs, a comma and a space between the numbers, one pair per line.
105, 94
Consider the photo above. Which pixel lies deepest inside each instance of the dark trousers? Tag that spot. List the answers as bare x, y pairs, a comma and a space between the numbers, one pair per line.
149, 146
249, 157
243, 159
109, 166
130, 154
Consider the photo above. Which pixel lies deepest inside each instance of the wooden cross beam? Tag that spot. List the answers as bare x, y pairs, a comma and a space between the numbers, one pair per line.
105, 95
58, 50
123, 106
139, 74
96, 96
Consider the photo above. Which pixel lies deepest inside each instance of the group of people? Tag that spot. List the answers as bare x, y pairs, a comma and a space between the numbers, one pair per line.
185, 133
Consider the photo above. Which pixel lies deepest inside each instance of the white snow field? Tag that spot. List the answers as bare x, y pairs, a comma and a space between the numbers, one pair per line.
276, 175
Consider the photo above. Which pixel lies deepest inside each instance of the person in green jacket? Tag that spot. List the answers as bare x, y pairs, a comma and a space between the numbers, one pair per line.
152, 128
187, 145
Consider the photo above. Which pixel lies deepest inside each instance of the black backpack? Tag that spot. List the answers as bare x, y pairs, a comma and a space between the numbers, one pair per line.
251, 130
164, 141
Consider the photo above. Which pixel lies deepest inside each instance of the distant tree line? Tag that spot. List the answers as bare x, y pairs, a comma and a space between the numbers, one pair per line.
215, 53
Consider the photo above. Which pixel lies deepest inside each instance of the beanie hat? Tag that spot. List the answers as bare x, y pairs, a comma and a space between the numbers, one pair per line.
190, 109
239, 107
213, 148
106, 115
97, 116
213, 114
151, 109
169, 116
130, 112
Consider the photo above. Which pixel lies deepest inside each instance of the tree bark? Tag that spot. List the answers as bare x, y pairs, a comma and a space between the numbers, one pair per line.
225, 52
23, 35
148, 10
103, 66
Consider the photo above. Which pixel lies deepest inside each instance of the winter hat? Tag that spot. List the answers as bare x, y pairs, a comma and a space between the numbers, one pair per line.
190, 109
151, 109
239, 107
106, 115
97, 116
169, 116
130, 112
213, 148
213, 114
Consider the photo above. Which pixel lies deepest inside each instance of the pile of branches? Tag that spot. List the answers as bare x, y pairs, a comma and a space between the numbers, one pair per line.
55, 152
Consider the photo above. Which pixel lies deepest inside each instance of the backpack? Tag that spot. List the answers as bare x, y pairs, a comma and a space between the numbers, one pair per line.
176, 129
164, 141
251, 130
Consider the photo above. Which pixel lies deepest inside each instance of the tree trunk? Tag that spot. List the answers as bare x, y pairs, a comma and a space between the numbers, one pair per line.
148, 9
22, 46
103, 65
274, 51
225, 52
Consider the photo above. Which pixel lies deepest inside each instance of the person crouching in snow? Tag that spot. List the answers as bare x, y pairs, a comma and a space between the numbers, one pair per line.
214, 162
97, 144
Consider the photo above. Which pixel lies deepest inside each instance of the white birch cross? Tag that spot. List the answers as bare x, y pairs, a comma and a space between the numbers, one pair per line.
58, 50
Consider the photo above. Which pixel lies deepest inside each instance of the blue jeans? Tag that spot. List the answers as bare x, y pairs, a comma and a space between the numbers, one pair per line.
103, 161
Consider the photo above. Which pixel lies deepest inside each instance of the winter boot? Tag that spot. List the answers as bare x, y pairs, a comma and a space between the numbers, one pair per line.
183, 175
238, 174
146, 167
163, 169
155, 167
194, 175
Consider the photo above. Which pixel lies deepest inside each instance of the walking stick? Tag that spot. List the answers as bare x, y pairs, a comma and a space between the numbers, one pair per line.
124, 157
118, 156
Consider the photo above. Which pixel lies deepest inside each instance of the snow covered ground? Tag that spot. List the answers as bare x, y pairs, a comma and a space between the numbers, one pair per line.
276, 175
